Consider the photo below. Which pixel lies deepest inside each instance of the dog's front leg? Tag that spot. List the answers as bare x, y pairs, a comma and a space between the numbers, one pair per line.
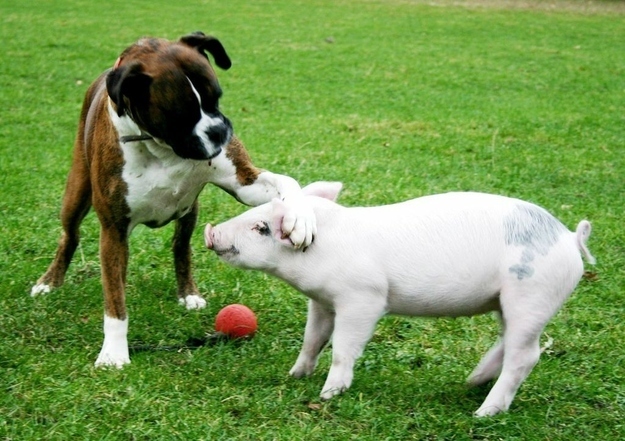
188, 294
234, 172
114, 260
299, 222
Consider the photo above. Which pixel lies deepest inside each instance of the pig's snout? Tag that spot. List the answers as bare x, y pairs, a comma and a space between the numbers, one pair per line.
208, 239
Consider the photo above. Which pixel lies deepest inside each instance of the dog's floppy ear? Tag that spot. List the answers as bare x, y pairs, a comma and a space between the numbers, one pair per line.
127, 81
201, 42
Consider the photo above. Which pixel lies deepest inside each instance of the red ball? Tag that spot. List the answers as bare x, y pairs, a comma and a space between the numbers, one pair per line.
236, 321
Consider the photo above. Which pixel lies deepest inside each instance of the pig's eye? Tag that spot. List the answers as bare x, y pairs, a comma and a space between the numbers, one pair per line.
262, 228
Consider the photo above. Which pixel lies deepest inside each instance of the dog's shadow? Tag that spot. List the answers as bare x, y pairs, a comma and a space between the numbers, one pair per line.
192, 343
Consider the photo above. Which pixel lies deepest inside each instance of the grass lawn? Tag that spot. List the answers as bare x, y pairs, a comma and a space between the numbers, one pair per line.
396, 99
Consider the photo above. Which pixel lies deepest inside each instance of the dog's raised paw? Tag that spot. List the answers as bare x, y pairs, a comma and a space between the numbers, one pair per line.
40, 288
192, 301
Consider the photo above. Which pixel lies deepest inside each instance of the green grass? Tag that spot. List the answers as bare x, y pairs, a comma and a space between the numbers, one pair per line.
397, 99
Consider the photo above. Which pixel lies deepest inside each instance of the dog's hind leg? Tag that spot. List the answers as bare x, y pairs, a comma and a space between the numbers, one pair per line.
188, 294
76, 205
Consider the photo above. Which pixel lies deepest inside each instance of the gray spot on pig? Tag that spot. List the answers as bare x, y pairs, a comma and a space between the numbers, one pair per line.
535, 229
532, 227
522, 271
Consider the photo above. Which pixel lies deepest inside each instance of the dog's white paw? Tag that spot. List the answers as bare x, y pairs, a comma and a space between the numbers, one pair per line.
40, 288
114, 352
299, 222
192, 301
112, 360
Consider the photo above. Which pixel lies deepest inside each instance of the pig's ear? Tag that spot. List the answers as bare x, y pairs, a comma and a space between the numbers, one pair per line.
323, 189
278, 210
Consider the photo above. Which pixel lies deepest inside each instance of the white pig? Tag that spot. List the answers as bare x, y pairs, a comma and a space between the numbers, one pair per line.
452, 254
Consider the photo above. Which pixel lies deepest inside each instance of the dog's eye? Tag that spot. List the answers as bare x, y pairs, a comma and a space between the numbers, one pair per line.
262, 228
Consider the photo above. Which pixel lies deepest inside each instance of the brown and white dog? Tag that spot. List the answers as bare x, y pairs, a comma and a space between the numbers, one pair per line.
150, 137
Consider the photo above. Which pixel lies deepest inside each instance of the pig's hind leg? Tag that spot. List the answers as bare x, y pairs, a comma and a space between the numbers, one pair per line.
526, 309
489, 366
319, 327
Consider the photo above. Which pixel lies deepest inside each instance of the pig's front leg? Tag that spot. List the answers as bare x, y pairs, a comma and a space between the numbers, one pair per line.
353, 327
319, 327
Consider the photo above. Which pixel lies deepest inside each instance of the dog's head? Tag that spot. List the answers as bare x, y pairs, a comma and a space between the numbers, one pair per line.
170, 90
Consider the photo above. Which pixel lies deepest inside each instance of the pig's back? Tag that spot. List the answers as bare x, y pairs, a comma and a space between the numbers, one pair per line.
455, 247
443, 233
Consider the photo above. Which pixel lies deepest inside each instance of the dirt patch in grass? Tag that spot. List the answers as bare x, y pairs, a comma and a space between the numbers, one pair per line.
578, 6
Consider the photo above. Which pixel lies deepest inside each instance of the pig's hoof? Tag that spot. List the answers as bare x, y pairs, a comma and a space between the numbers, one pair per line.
301, 371
192, 301
330, 392
297, 373
486, 411
479, 379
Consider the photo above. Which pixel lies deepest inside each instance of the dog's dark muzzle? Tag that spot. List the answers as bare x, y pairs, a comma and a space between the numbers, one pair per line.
219, 134
214, 139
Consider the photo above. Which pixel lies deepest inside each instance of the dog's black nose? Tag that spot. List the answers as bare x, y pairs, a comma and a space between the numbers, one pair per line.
218, 134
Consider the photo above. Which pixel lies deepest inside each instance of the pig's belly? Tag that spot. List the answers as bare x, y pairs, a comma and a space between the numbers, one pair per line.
445, 294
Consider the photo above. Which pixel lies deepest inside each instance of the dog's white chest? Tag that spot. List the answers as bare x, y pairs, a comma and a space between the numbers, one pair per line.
161, 186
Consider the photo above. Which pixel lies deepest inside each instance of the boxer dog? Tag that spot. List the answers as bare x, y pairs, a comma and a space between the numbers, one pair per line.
150, 137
